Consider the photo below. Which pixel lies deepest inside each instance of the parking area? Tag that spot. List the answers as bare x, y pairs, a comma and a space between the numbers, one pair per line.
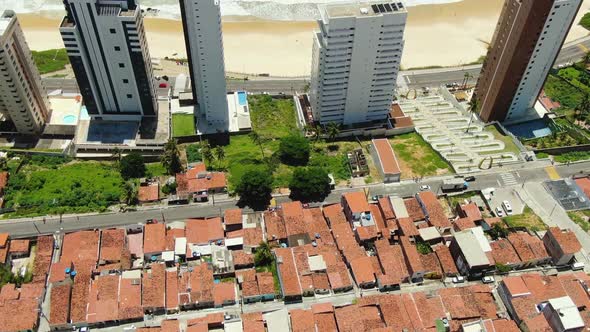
506, 194
568, 194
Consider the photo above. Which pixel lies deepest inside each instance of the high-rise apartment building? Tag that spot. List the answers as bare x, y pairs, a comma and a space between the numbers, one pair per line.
356, 58
201, 21
23, 98
108, 51
526, 43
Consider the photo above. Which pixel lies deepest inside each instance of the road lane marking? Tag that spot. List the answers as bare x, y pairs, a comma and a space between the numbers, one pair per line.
583, 48
552, 172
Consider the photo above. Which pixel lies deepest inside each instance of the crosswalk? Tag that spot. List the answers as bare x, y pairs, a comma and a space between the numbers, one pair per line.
508, 179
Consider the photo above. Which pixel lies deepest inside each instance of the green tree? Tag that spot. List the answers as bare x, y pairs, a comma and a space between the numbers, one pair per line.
3, 164
171, 158
263, 255
257, 139
502, 268
583, 107
219, 154
294, 150
132, 166
310, 184
498, 231
131, 193
332, 130
586, 58
255, 188
117, 155
473, 108
207, 153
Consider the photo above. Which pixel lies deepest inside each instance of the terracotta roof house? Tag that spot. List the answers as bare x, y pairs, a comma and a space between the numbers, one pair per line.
355, 206
199, 183
334, 214
433, 210
561, 244
504, 253
470, 211
529, 248
154, 240
204, 231
149, 193
232, 219
275, 227
385, 160
288, 275
362, 272
446, 260
416, 270
584, 184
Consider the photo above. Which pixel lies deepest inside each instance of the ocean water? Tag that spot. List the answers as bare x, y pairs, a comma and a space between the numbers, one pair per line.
303, 10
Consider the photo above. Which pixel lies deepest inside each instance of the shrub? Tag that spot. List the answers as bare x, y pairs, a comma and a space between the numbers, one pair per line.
294, 150
255, 188
193, 154
132, 166
310, 184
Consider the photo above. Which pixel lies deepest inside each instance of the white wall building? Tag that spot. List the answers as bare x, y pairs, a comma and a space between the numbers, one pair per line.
355, 62
23, 98
557, 26
201, 21
106, 44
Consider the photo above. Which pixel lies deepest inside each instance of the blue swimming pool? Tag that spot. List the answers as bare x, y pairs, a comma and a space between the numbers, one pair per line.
242, 98
532, 129
69, 119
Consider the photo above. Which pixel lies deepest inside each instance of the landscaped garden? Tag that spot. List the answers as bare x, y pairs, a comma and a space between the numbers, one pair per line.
51, 60
183, 125
508, 142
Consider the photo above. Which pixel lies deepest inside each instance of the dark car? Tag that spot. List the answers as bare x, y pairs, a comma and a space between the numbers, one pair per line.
470, 178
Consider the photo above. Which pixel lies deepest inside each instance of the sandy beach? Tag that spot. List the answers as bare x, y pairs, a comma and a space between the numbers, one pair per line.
444, 35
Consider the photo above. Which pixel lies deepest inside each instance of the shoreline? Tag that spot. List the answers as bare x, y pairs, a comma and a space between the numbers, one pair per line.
452, 34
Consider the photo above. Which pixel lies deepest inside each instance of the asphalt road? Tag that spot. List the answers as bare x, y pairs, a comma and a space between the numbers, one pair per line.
26, 228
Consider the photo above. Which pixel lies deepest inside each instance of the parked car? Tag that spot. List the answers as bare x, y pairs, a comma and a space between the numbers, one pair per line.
499, 212
458, 280
424, 187
577, 266
470, 178
376, 197
488, 280
506, 205
163, 85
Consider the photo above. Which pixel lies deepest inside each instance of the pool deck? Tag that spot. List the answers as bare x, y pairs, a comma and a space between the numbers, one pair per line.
62, 108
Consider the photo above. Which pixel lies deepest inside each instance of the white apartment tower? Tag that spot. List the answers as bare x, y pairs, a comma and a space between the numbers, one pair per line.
23, 98
201, 21
106, 44
356, 59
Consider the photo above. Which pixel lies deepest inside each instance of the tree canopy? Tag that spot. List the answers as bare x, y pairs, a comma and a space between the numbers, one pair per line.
132, 166
311, 184
255, 188
171, 158
294, 150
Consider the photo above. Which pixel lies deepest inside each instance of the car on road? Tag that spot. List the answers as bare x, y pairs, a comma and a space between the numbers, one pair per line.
577, 266
506, 205
499, 212
458, 280
424, 187
470, 178
488, 280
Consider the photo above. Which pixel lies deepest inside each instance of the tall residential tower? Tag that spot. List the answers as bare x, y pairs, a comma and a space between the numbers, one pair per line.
355, 62
108, 51
526, 43
23, 98
201, 21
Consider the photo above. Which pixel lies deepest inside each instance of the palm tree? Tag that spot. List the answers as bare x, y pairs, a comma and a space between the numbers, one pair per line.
117, 155
473, 108
171, 158
219, 154
466, 77
263, 255
332, 130
583, 106
317, 131
131, 195
207, 154
257, 139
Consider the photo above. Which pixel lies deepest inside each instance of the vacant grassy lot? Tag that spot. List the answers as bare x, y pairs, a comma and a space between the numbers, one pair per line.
272, 118
527, 219
579, 217
510, 146
183, 125
51, 60
417, 158
155, 169
51, 187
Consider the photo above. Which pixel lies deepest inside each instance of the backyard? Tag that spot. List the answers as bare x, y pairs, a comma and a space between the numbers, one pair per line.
183, 125
417, 158
527, 219
53, 185
50, 60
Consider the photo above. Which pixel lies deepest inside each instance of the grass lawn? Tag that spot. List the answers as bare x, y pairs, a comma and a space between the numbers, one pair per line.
417, 158
155, 169
572, 156
559, 90
578, 218
183, 125
51, 60
460, 199
585, 21
527, 219
272, 118
52, 188
510, 146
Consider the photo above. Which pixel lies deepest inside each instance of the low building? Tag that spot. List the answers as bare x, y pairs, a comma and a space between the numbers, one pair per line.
561, 244
503, 253
154, 241
19, 248
562, 314
232, 220
362, 272
385, 160
416, 269
199, 184
434, 211
470, 249
356, 208
288, 276
148, 193
530, 249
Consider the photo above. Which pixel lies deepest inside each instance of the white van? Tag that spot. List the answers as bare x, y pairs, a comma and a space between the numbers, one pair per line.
507, 207
577, 266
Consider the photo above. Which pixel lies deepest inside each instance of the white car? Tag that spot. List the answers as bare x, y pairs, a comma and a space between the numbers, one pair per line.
499, 212
424, 187
458, 280
488, 280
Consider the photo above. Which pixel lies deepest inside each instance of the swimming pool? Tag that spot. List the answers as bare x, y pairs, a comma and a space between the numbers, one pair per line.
69, 119
242, 98
532, 129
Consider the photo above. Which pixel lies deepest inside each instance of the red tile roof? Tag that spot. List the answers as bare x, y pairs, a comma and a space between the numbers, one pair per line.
547, 102
387, 158
334, 214
3, 240
201, 283
172, 289
463, 224
103, 299
356, 201
171, 236
302, 320
385, 208
289, 276
19, 246
316, 224
379, 221
112, 245
60, 303
80, 293
224, 292
292, 213
392, 261
471, 211
80, 247
232, 217
42, 261
253, 322
275, 226
431, 264
241, 258
196, 179
203, 231
149, 193
412, 256
362, 270
407, 227
154, 283
504, 253
130, 299
266, 283
346, 242
435, 211
253, 236
446, 260
3, 180
154, 238
366, 233
356, 318
414, 209
584, 184
566, 239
